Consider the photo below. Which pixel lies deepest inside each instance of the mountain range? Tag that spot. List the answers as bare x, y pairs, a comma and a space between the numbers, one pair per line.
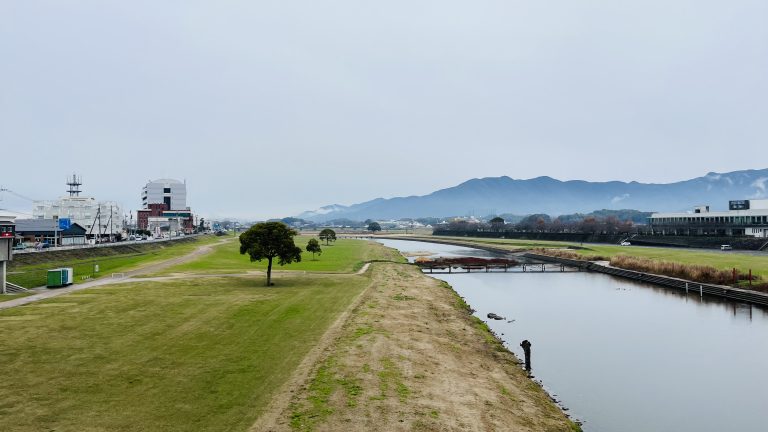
497, 195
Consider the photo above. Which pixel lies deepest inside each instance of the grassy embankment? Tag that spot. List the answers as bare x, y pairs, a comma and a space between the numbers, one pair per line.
31, 270
342, 256
177, 355
412, 357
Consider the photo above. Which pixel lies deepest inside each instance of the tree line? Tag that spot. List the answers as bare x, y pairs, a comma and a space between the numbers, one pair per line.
543, 223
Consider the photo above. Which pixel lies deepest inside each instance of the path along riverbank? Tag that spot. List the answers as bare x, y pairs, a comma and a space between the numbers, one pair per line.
410, 356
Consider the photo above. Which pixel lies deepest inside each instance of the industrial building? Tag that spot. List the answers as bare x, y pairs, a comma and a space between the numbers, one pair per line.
743, 218
49, 231
99, 218
164, 207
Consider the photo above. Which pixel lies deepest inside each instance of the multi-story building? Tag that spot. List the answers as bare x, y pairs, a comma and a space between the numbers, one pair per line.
104, 218
170, 192
743, 218
164, 207
99, 218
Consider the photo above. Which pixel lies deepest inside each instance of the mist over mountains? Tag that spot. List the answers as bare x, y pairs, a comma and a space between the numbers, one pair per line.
497, 195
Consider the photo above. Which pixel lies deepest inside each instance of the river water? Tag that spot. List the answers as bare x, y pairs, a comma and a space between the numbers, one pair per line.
627, 356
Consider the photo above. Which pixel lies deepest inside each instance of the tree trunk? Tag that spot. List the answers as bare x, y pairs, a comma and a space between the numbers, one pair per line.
269, 271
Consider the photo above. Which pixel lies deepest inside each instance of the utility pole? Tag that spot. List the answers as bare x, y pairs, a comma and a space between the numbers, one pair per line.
98, 215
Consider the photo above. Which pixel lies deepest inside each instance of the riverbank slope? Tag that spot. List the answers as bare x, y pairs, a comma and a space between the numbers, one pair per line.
411, 357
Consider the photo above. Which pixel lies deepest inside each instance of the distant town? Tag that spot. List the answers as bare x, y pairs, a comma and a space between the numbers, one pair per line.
80, 220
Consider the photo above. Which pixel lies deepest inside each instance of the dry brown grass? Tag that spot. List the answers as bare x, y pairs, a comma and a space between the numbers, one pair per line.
568, 254
697, 273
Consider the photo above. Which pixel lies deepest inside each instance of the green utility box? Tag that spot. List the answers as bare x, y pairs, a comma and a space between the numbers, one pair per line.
60, 277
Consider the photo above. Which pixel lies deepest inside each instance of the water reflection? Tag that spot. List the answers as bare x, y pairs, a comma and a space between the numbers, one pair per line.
628, 356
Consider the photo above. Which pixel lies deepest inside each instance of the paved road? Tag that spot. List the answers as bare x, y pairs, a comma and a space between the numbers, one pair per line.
147, 269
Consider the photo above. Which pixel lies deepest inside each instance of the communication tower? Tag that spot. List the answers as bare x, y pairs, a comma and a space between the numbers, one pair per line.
74, 185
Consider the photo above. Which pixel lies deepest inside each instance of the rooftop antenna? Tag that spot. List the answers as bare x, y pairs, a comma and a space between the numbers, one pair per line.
74, 185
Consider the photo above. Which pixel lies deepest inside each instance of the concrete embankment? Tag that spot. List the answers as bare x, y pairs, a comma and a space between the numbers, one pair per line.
665, 281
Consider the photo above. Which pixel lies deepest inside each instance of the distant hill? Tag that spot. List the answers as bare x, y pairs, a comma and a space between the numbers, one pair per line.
635, 216
498, 195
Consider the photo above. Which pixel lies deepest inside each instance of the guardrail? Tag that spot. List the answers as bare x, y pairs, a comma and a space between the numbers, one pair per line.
31, 250
722, 291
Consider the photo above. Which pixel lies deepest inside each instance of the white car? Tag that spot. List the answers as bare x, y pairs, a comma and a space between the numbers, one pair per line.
626, 243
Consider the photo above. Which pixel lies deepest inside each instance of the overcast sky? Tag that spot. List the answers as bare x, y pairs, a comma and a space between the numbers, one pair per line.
269, 108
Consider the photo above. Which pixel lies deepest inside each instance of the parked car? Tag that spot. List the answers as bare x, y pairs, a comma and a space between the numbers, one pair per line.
626, 243
726, 247
20, 246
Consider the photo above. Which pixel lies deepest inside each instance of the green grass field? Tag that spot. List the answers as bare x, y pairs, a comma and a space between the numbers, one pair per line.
201, 355
6, 297
342, 256
506, 243
35, 274
198, 354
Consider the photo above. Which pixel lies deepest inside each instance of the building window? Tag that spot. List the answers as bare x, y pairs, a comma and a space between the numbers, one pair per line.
166, 190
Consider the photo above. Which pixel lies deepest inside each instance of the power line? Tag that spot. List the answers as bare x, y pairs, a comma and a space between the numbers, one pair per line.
18, 195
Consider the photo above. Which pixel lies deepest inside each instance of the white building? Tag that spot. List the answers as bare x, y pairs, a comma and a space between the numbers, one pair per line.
744, 218
170, 192
101, 218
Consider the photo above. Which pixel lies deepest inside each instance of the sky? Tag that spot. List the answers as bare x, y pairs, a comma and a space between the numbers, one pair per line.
270, 108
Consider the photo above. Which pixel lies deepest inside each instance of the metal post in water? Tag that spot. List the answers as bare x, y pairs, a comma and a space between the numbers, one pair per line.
701, 291
686, 287
527, 350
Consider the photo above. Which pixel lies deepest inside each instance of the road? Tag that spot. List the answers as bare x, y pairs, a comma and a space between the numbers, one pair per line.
146, 269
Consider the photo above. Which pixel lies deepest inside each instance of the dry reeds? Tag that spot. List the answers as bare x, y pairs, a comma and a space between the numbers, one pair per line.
568, 254
692, 272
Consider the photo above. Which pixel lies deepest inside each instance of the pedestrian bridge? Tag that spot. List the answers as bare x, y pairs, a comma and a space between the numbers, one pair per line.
488, 265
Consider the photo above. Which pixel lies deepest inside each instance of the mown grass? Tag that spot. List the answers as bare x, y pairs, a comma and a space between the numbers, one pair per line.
6, 297
506, 243
342, 256
33, 271
202, 355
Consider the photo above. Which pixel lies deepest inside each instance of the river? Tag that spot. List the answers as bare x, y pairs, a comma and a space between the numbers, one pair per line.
627, 356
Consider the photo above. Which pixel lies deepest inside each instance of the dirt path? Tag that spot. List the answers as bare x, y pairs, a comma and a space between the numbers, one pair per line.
409, 358
145, 269
322, 348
